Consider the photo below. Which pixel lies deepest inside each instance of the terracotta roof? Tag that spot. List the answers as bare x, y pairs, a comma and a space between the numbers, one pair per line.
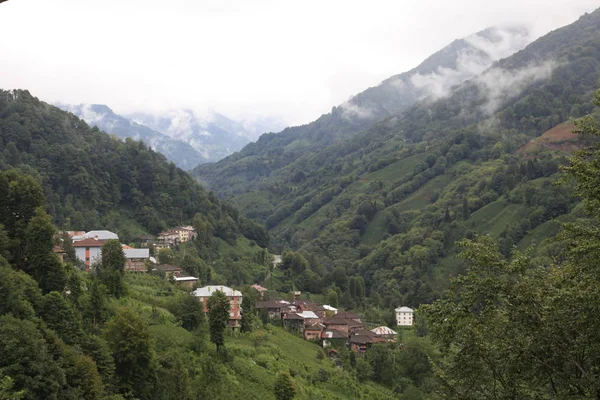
314, 327
89, 243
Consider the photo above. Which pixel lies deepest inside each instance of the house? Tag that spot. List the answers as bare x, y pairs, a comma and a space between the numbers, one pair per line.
187, 282
184, 233
348, 315
88, 250
329, 310
348, 326
312, 331
360, 343
100, 235
333, 338
404, 316
145, 240
293, 322
385, 332
235, 299
135, 259
261, 290
166, 239
169, 270
275, 308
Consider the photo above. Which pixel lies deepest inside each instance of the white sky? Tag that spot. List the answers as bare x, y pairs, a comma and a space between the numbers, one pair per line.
288, 59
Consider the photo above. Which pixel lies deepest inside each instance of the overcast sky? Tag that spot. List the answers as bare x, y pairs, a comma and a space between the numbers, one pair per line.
288, 59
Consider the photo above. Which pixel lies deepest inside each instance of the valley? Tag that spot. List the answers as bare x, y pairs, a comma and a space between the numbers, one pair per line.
426, 239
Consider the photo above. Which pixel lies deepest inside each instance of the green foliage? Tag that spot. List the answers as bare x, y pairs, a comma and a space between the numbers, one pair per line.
248, 316
135, 361
190, 313
28, 360
284, 388
112, 267
61, 318
218, 317
42, 263
6, 389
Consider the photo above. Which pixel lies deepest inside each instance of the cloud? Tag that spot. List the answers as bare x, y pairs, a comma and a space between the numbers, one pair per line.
485, 48
351, 111
499, 84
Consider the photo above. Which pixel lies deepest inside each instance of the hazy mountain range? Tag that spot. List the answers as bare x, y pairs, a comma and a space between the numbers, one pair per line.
181, 135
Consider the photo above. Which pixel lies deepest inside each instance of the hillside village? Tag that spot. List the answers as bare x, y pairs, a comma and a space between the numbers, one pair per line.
313, 321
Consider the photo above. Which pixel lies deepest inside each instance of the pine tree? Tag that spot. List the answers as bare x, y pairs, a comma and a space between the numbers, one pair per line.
218, 316
248, 317
42, 263
112, 267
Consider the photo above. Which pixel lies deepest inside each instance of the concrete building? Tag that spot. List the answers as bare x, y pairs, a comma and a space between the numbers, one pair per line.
235, 299
88, 250
404, 316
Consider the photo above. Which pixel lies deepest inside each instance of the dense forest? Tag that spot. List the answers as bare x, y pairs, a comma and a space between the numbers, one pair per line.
386, 205
92, 180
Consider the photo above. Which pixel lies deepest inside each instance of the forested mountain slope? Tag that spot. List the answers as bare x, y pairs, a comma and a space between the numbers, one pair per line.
457, 62
387, 204
94, 180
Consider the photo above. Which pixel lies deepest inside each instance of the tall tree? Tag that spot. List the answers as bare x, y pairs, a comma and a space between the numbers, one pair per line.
42, 263
218, 316
248, 317
135, 362
21, 196
112, 267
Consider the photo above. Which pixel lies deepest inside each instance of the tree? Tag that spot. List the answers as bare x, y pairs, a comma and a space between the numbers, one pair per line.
61, 318
166, 256
190, 313
218, 316
248, 317
27, 360
67, 246
135, 362
285, 388
7, 391
21, 196
42, 263
112, 267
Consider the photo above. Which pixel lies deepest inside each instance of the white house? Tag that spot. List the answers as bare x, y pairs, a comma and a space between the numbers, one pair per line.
88, 250
404, 316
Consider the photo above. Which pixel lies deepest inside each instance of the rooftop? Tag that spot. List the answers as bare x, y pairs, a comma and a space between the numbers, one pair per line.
184, 278
259, 288
102, 235
89, 243
207, 291
383, 331
404, 309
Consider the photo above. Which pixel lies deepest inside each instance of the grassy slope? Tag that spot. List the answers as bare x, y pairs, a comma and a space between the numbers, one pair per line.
257, 357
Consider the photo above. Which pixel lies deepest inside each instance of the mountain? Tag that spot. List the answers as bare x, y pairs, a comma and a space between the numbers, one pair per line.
459, 61
177, 151
213, 137
91, 179
387, 203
